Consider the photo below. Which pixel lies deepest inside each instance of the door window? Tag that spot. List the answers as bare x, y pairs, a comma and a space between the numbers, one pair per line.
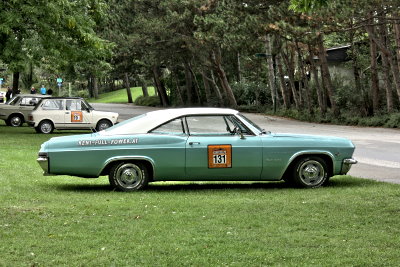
210, 125
53, 104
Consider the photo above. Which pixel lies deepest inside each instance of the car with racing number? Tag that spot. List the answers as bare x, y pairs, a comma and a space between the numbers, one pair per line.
72, 113
196, 144
15, 112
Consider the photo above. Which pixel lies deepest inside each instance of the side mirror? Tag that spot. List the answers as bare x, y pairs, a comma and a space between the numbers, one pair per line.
238, 131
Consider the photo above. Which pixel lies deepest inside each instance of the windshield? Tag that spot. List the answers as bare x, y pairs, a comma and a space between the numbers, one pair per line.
251, 123
14, 100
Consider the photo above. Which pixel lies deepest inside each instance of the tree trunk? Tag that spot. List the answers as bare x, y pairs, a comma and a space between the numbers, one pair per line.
162, 92
290, 68
128, 87
271, 70
15, 83
95, 87
238, 68
217, 58
189, 84
196, 85
303, 81
143, 84
374, 73
283, 87
392, 62
326, 75
217, 90
314, 70
396, 26
207, 89
386, 70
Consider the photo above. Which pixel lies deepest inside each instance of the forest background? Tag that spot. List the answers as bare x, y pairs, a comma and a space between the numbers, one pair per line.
253, 55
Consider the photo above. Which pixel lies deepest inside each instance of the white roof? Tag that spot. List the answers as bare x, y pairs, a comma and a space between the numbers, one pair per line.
150, 120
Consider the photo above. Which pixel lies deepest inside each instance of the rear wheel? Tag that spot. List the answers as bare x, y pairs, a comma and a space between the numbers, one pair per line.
15, 120
128, 176
310, 172
45, 127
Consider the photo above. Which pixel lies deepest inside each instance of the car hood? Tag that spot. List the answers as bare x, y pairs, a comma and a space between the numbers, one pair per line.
312, 139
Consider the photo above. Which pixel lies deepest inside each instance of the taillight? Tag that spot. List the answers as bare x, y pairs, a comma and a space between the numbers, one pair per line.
30, 118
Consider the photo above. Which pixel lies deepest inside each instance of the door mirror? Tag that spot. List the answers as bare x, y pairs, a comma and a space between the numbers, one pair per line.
238, 131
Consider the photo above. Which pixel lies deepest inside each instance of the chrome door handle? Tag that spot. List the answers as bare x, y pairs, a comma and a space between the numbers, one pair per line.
67, 112
194, 143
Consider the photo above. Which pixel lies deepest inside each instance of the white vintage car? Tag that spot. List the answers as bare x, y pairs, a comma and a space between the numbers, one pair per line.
15, 112
72, 113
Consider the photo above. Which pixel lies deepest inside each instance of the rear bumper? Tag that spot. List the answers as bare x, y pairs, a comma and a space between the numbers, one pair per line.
346, 165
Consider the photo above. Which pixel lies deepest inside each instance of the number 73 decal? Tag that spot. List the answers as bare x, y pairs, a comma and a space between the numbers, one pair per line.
220, 156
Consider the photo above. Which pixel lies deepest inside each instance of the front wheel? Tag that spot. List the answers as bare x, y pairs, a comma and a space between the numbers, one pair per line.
45, 127
310, 172
102, 125
128, 176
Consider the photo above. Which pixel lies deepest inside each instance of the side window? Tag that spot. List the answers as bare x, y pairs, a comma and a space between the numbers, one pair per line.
28, 101
53, 104
73, 104
210, 125
174, 127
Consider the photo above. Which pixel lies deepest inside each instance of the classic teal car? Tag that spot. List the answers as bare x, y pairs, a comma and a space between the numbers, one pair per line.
196, 144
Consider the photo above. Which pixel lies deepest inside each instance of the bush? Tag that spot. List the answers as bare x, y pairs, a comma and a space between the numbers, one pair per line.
83, 93
151, 101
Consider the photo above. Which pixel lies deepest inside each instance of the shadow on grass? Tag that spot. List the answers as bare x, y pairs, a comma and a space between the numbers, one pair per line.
346, 182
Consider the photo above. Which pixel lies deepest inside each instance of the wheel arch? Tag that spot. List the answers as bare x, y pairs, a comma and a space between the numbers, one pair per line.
46, 119
326, 156
19, 114
148, 162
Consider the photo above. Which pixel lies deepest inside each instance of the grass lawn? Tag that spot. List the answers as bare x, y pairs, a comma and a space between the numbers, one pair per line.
120, 96
63, 220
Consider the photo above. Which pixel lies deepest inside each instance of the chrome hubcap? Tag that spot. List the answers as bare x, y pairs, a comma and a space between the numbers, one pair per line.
312, 172
15, 121
45, 127
103, 126
129, 175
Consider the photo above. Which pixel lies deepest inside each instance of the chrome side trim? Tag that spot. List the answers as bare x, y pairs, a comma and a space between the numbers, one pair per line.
128, 158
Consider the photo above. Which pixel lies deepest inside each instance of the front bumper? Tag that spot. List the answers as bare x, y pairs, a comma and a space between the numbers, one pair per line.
43, 161
346, 165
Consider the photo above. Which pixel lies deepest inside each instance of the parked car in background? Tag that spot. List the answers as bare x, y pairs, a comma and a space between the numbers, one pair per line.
72, 113
15, 112
196, 144
2, 97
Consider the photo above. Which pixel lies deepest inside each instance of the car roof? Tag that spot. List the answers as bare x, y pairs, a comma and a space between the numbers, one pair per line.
32, 95
151, 120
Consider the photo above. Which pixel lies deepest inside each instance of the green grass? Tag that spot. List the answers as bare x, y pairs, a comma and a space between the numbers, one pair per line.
68, 221
120, 96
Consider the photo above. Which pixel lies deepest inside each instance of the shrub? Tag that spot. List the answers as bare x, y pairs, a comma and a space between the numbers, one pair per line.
152, 101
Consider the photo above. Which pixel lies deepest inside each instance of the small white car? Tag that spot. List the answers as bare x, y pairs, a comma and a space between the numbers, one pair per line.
72, 113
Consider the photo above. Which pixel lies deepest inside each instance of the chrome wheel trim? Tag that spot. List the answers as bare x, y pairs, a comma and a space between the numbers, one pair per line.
311, 172
46, 127
129, 175
15, 121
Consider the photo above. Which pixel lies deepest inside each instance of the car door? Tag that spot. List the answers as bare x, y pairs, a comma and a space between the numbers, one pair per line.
54, 110
77, 115
215, 149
